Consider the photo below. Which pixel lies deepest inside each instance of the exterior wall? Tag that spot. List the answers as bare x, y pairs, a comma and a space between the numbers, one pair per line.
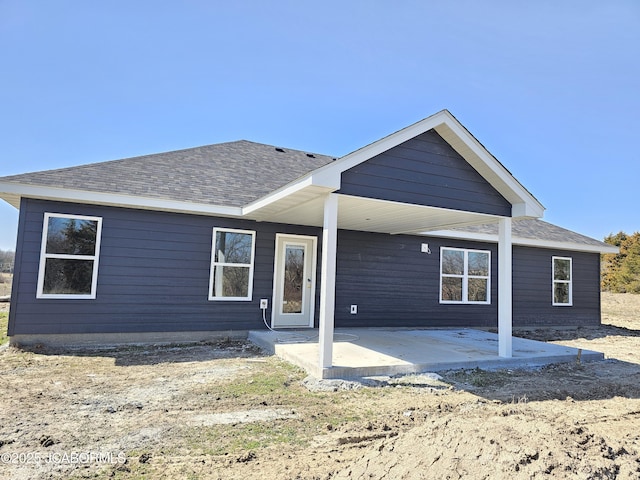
154, 277
532, 294
394, 284
425, 170
153, 274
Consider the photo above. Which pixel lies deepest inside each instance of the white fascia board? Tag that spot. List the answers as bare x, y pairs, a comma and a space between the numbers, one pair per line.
579, 247
380, 146
327, 182
118, 200
524, 242
530, 207
277, 195
460, 235
527, 210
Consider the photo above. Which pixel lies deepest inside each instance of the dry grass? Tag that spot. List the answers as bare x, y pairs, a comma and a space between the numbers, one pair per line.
621, 310
4, 318
159, 406
5, 283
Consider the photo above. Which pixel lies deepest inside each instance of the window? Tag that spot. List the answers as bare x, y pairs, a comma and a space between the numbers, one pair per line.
69, 256
465, 276
232, 264
562, 282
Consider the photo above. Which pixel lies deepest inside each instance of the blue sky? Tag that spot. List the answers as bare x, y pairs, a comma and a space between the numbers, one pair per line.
551, 88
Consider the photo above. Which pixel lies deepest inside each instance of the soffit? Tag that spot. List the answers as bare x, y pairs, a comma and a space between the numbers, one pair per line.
365, 214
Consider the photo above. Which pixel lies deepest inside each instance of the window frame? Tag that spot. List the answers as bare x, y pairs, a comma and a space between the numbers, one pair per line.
465, 277
44, 256
554, 281
214, 263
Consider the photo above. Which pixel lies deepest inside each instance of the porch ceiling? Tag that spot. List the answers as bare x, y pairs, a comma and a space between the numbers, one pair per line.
369, 215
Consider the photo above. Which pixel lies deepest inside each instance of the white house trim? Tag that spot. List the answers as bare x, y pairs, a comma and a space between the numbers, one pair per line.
17, 190
44, 256
524, 204
328, 281
282, 237
505, 289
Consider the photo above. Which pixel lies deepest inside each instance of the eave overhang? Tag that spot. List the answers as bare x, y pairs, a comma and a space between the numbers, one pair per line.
12, 193
525, 242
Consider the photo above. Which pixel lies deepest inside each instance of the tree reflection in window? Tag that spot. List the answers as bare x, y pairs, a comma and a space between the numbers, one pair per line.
464, 276
232, 264
293, 289
69, 256
562, 281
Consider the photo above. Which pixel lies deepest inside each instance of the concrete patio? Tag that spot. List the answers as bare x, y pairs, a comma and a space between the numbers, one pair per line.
361, 352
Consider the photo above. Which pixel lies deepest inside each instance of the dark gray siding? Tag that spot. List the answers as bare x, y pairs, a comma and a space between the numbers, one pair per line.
153, 274
425, 170
154, 277
394, 284
532, 288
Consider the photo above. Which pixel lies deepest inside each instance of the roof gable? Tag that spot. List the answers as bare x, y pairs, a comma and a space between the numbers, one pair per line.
524, 204
424, 170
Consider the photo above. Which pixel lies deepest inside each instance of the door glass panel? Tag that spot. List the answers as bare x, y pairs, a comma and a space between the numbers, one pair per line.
293, 279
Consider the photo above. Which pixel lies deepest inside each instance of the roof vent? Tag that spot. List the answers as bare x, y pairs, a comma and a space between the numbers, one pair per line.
311, 155
278, 149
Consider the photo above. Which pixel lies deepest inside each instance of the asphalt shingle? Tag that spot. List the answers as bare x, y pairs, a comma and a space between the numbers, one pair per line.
535, 230
230, 174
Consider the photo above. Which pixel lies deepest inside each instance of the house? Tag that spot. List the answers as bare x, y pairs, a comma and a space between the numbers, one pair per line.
422, 228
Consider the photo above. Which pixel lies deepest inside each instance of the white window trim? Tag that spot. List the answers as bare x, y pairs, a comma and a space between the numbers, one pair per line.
465, 277
554, 281
250, 266
44, 256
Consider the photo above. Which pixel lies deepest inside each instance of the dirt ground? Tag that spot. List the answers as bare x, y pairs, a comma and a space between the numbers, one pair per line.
226, 411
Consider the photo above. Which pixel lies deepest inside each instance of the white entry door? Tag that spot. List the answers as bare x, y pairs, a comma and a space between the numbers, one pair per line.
294, 281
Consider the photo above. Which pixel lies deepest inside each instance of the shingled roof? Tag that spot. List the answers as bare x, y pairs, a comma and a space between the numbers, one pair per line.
232, 173
235, 174
536, 230
533, 232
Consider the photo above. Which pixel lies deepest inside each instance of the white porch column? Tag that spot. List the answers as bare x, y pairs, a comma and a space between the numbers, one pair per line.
505, 290
328, 280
